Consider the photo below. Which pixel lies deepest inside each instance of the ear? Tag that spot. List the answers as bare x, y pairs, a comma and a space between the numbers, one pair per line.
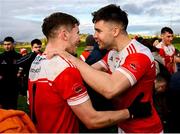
116, 31
63, 34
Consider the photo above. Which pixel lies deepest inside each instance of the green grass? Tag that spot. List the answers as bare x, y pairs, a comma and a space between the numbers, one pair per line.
80, 50
177, 46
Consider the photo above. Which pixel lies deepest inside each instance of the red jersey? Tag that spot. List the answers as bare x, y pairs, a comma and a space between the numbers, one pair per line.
84, 55
54, 86
167, 53
136, 62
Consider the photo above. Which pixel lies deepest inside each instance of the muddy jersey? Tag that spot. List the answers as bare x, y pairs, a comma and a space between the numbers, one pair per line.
54, 86
136, 62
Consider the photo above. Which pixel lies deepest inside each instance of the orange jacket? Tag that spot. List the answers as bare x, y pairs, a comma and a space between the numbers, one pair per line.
15, 121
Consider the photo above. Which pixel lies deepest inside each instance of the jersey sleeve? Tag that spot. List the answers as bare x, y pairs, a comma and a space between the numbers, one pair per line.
135, 67
104, 62
71, 86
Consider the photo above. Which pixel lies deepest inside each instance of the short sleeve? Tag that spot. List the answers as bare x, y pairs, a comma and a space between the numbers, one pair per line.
104, 61
135, 67
71, 87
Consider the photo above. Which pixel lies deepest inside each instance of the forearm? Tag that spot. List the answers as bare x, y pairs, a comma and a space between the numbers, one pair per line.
177, 59
100, 81
108, 118
97, 119
98, 66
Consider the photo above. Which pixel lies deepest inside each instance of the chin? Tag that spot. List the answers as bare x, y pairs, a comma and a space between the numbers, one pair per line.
73, 53
101, 47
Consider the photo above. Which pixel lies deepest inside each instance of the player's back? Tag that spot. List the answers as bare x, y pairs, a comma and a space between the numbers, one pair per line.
49, 109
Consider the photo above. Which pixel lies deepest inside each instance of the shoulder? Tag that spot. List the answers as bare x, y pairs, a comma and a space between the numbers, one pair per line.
140, 50
49, 69
139, 59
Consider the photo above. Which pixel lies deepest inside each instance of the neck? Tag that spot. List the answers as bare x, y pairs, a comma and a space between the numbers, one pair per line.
165, 43
122, 42
55, 45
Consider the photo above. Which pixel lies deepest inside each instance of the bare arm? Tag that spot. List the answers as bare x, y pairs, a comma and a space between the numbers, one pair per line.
177, 59
98, 66
109, 85
98, 119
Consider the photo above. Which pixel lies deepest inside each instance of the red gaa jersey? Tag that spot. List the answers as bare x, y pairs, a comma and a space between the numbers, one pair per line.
54, 86
136, 62
167, 53
84, 55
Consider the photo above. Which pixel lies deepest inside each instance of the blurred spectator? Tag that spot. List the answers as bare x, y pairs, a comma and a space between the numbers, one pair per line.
8, 75
167, 50
36, 46
25, 62
178, 63
160, 100
160, 84
90, 42
23, 51
9, 56
96, 55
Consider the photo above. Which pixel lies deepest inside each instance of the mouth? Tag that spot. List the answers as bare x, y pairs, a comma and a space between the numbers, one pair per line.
98, 42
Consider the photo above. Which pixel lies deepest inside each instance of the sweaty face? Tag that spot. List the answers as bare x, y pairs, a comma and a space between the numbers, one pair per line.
73, 40
36, 48
103, 34
167, 38
8, 46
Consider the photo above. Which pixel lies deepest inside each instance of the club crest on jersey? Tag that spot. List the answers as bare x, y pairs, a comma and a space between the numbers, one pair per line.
111, 58
77, 88
133, 66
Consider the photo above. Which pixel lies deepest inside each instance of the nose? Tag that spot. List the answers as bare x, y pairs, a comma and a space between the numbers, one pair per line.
95, 36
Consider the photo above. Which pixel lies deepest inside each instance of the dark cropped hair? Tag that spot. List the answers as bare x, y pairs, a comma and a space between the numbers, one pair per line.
56, 20
36, 41
166, 29
9, 39
113, 13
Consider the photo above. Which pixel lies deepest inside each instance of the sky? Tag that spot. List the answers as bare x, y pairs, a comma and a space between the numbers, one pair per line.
22, 19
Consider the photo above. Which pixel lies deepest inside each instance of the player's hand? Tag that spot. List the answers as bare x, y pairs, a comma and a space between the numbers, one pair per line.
140, 109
